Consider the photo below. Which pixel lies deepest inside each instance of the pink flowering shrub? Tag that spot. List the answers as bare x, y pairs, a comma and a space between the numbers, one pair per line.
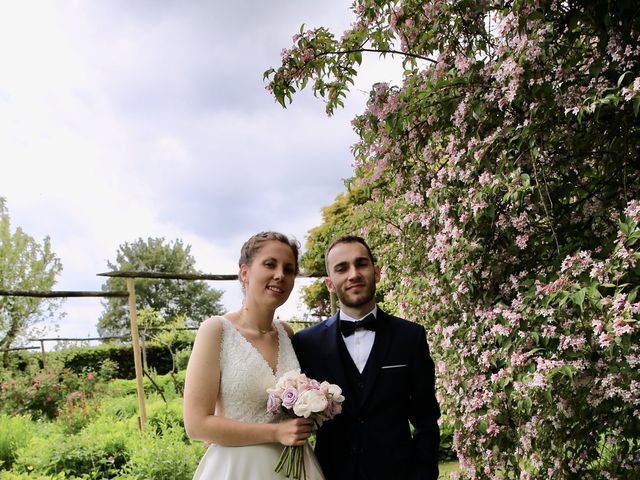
504, 205
47, 394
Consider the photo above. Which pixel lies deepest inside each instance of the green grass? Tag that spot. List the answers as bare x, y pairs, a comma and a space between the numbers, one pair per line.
447, 468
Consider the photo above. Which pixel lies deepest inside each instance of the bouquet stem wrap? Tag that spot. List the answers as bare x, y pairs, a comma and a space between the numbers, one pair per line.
291, 463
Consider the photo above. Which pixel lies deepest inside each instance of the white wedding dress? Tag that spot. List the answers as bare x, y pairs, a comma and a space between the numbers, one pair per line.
244, 378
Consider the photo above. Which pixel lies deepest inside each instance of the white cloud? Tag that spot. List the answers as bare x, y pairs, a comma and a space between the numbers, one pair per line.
121, 120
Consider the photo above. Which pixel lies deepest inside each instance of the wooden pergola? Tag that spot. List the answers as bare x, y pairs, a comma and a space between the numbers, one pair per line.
130, 294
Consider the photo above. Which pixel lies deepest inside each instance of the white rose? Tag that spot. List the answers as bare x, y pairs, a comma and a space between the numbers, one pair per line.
335, 392
310, 401
288, 379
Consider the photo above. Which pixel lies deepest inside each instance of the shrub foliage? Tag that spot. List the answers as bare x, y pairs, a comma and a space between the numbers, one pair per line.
503, 182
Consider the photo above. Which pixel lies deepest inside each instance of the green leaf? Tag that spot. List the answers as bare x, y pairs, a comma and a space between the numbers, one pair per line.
567, 370
483, 426
621, 78
624, 228
525, 404
578, 297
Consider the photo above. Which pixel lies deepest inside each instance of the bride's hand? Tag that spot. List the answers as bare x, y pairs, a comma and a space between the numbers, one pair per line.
294, 431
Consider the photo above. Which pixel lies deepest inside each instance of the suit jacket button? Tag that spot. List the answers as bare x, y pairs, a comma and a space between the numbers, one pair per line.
360, 385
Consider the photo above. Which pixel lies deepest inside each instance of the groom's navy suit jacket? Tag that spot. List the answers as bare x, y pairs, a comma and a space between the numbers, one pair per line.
371, 438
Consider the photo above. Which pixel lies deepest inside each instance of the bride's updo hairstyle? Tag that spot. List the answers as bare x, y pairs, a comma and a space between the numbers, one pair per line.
254, 244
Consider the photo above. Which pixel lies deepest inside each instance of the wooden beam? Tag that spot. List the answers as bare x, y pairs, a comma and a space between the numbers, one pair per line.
59, 294
15, 349
77, 339
186, 276
168, 275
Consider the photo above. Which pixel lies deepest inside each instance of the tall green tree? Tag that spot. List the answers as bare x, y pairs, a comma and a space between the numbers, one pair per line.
339, 218
25, 264
194, 300
505, 208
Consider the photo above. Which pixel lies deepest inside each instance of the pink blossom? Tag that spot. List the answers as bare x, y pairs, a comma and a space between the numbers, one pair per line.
633, 207
484, 178
522, 240
462, 63
538, 380
307, 54
621, 327
604, 339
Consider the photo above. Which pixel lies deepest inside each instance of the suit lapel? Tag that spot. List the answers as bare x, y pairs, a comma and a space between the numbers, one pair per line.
378, 353
334, 359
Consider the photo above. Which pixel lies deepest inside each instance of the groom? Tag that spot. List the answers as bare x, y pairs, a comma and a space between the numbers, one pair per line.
383, 365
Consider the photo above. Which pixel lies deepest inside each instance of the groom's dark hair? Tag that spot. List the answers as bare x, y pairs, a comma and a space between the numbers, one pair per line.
347, 239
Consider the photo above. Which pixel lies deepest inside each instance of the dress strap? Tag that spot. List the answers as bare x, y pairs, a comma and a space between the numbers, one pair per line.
279, 327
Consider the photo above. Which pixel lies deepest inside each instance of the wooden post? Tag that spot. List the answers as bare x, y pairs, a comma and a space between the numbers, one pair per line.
44, 358
135, 340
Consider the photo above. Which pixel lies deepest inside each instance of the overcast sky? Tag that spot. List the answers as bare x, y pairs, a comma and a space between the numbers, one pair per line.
129, 119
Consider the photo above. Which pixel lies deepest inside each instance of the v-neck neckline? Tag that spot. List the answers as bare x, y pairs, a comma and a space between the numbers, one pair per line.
253, 347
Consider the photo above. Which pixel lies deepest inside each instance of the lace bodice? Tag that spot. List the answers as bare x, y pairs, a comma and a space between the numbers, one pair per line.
245, 375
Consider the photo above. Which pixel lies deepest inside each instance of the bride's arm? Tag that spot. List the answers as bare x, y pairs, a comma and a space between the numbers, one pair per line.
202, 383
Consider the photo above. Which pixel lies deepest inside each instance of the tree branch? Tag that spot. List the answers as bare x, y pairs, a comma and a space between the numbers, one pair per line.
373, 50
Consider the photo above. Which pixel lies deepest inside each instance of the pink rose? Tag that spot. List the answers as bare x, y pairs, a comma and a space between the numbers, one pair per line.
289, 397
273, 403
333, 409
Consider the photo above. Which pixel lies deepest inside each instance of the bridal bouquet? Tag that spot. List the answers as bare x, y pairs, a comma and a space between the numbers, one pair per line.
297, 395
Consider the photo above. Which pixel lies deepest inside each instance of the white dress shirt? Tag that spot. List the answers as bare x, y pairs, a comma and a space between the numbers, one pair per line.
360, 343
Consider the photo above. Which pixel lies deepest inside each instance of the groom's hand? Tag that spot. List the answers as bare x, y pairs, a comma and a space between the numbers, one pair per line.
294, 431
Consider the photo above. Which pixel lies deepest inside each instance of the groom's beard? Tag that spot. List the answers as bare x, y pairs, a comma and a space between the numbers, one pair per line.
358, 300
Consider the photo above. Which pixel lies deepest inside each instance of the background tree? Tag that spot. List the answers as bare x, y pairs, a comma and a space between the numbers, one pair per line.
337, 219
504, 182
25, 264
342, 217
194, 300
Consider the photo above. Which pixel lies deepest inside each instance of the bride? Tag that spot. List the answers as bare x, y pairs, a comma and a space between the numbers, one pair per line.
235, 358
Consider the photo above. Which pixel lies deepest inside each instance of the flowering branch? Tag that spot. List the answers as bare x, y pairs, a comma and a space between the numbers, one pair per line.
373, 50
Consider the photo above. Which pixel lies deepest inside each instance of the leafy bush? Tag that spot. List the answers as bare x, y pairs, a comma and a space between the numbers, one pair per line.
78, 411
121, 407
163, 456
99, 451
446, 451
182, 358
10, 475
164, 385
38, 395
164, 416
16, 432
44, 394
22, 361
158, 357
179, 379
503, 189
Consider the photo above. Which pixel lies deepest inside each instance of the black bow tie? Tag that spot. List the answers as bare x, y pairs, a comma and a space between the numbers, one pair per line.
369, 323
